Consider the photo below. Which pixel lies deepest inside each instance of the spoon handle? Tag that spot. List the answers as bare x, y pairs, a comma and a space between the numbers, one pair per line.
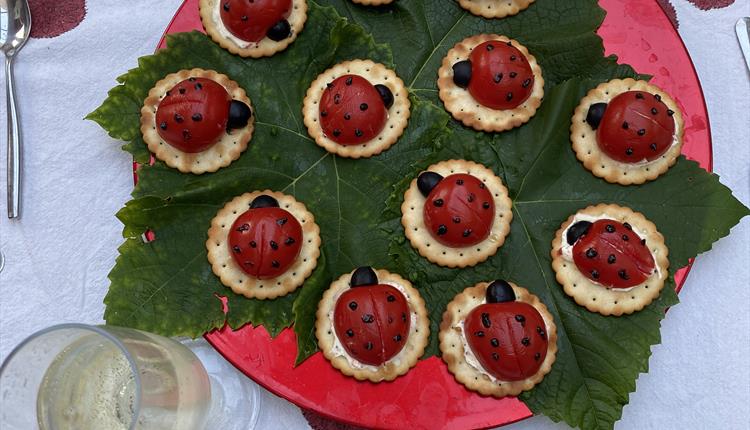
14, 144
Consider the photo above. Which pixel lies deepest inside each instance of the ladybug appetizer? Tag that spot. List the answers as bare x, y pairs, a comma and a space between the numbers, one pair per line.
627, 131
610, 259
356, 109
456, 213
257, 28
372, 324
495, 8
498, 339
490, 83
197, 121
263, 244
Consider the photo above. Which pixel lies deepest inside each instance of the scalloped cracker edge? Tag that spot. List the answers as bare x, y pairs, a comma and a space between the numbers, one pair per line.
419, 333
495, 8
229, 147
266, 47
600, 164
459, 102
376, 73
232, 276
412, 218
452, 345
596, 297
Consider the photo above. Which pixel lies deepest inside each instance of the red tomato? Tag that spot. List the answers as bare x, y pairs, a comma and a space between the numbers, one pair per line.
351, 110
372, 322
636, 126
459, 211
265, 242
501, 77
251, 20
193, 115
612, 254
509, 339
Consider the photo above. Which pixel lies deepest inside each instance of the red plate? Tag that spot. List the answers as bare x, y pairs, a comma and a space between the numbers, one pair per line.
428, 397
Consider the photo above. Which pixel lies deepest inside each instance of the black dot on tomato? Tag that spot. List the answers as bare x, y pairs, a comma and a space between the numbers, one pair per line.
438, 202
391, 298
486, 205
274, 245
513, 74
494, 342
611, 259
275, 264
625, 237
367, 318
368, 346
595, 274
459, 181
253, 244
358, 132
623, 274
642, 132
652, 146
336, 132
397, 338
353, 306
442, 229
498, 77
638, 96
495, 356
479, 333
363, 107
509, 96
526, 341
182, 90
347, 116
591, 253
537, 356
349, 80
350, 333
197, 117
466, 233
610, 228
178, 117
490, 47
163, 125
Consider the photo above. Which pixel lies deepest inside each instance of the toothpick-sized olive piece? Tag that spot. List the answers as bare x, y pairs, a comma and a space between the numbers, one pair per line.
363, 276
595, 115
264, 201
462, 73
577, 230
427, 181
500, 291
239, 115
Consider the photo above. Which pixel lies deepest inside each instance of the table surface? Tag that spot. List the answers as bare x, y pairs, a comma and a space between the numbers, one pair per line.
59, 254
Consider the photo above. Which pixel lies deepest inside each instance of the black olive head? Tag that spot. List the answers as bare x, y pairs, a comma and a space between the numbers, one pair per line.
363, 276
264, 201
500, 291
280, 31
427, 181
462, 73
577, 230
385, 94
239, 115
595, 115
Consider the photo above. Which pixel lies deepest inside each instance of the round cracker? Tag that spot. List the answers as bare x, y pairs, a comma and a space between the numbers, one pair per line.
495, 8
372, 2
229, 147
412, 218
407, 358
600, 164
266, 47
376, 73
459, 102
601, 299
231, 275
452, 343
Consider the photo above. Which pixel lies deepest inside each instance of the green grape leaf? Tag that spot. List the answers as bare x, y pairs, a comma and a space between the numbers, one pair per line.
167, 286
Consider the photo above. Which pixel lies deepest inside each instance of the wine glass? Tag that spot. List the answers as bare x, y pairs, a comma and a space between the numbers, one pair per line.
76, 376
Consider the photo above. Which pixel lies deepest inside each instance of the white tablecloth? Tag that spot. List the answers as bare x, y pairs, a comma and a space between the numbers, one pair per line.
59, 254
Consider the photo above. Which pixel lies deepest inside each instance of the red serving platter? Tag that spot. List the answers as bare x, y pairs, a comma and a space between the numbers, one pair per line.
428, 397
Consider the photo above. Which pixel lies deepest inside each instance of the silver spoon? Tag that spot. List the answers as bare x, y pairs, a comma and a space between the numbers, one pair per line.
15, 26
